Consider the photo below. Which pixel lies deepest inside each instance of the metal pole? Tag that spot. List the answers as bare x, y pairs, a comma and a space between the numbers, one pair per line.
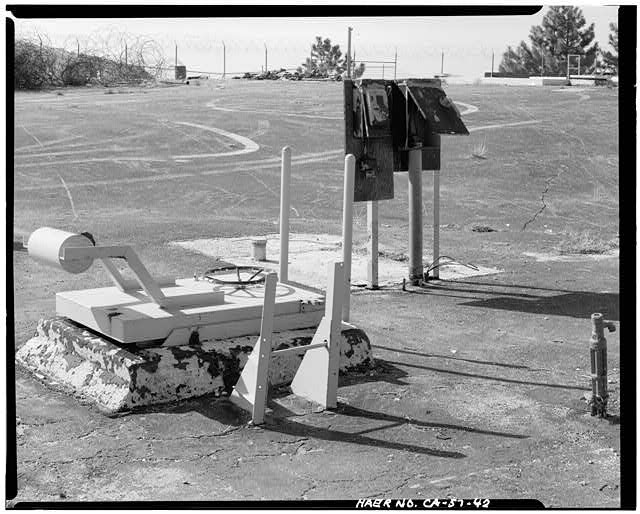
176, 55
598, 354
126, 59
383, 70
578, 65
224, 60
436, 222
349, 54
285, 201
78, 47
395, 64
347, 229
265, 58
415, 216
492, 57
372, 257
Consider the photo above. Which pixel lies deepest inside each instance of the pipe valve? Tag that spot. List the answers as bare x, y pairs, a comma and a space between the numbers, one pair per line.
598, 354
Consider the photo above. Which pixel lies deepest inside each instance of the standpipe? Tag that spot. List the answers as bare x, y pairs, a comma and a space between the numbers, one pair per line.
598, 353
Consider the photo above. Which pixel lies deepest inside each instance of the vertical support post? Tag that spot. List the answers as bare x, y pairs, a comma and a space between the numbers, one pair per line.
436, 221
224, 61
126, 56
416, 270
442, 64
349, 53
347, 229
372, 229
266, 69
176, 53
317, 376
285, 200
250, 392
492, 58
78, 42
578, 64
383, 70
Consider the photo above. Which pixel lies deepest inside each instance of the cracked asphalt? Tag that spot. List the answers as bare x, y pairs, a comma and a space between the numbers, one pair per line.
479, 385
477, 392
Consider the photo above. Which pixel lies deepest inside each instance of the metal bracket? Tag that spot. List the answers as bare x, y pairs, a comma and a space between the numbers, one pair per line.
143, 277
317, 376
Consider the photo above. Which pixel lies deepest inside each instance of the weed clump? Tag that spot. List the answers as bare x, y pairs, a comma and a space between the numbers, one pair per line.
586, 243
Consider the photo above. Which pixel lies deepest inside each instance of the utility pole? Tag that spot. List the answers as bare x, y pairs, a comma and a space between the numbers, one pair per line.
176, 54
395, 64
349, 53
78, 42
265, 58
492, 56
126, 60
224, 60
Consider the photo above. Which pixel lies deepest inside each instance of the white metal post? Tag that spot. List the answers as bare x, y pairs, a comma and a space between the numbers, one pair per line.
436, 221
372, 257
347, 229
285, 200
416, 270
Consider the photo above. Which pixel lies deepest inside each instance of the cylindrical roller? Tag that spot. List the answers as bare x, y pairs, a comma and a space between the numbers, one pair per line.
46, 245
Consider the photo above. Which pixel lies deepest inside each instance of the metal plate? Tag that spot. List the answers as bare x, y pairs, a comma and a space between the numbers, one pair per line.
374, 154
436, 108
129, 317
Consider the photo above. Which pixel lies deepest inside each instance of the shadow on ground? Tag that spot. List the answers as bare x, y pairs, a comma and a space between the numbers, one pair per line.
576, 304
283, 406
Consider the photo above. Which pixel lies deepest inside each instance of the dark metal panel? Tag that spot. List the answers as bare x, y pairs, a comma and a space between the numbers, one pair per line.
374, 154
436, 108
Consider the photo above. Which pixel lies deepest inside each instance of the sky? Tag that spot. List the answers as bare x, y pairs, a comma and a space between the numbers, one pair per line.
467, 42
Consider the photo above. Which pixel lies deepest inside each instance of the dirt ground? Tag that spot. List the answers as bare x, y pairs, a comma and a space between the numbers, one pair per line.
478, 392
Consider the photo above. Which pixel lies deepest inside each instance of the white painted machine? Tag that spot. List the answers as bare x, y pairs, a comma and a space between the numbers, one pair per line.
166, 319
167, 312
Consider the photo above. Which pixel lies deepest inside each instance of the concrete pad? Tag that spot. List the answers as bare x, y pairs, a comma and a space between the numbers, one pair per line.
117, 379
309, 253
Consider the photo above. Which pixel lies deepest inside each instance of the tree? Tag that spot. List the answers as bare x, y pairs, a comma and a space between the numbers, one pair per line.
611, 58
563, 33
327, 59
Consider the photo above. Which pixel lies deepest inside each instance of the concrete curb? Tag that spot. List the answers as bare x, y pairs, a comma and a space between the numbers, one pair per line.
117, 379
